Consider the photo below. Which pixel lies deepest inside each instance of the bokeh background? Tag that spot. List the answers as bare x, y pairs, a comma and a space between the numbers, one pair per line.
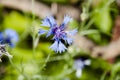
94, 54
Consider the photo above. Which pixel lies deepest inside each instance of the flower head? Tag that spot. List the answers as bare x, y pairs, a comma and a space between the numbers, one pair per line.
79, 64
9, 36
58, 32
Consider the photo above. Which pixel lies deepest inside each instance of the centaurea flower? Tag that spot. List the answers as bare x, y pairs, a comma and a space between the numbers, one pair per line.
58, 32
9, 36
79, 64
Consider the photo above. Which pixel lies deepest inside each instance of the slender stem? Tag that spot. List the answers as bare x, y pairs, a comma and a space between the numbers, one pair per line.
33, 44
33, 15
45, 62
89, 24
33, 35
82, 26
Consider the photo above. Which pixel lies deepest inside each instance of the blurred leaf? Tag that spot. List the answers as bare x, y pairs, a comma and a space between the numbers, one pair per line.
90, 31
101, 14
115, 69
96, 37
98, 63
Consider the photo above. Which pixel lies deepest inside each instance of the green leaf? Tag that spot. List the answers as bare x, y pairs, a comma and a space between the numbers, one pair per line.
90, 31
102, 16
96, 37
103, 20
115, 69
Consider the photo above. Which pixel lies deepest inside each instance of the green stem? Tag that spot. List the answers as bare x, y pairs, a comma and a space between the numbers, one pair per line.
33, 35
89, 24
21, 72
82, 26
33, 16
47, 59
33, 44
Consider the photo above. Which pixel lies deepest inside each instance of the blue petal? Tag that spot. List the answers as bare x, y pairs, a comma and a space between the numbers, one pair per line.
49, 33
54, 46
79, 64
1, 37
69, 40
49, 21
65, 21
87, 62
41, 31
78, 73
73, 32
12, 35
66, 39
8, 41
61, 47
58, 46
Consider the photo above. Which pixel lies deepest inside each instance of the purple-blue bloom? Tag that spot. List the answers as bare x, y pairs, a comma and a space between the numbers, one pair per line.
9, 36
79, 64
58, 32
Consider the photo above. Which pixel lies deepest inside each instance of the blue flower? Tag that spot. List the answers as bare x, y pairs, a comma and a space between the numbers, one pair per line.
9, 36
79, 64
58, 32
